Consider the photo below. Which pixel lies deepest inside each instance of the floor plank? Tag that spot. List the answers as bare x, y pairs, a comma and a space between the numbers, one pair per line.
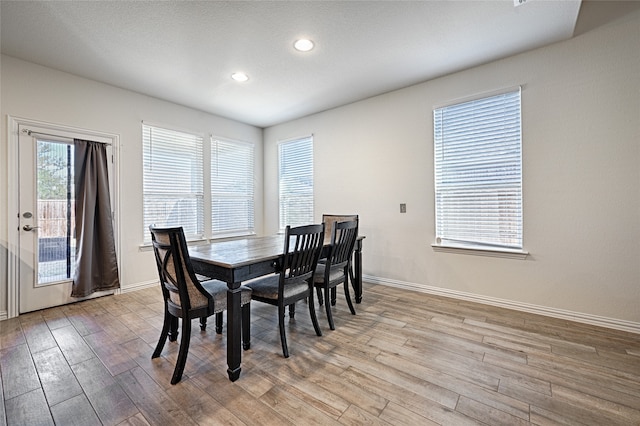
29, 408
19, 374
57, 380
76, 411
107, 397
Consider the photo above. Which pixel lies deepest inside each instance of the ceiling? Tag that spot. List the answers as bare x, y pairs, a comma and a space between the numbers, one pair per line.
185, 52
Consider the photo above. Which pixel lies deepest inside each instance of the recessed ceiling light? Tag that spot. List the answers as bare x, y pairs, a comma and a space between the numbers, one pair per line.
303, 45
239, 76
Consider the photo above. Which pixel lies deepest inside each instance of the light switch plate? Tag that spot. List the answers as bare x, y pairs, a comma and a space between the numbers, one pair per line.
403, 208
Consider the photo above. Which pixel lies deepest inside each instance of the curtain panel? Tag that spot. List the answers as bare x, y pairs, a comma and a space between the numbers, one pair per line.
96, 262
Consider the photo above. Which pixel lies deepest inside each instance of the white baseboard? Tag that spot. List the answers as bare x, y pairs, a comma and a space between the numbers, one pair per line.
138, 286
613, 323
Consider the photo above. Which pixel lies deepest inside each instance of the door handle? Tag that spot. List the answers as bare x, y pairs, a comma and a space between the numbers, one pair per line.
29, 227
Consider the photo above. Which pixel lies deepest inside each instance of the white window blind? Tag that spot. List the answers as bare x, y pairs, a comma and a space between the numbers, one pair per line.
478, 172
173, 181
232, 184
296, 182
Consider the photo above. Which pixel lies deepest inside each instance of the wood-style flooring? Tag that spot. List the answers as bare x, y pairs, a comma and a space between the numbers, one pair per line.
406, 358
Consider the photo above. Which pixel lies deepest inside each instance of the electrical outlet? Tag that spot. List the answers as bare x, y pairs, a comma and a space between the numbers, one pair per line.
403, 208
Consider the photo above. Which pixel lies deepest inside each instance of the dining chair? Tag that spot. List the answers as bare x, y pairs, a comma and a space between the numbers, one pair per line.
302, 249
186, 297
329, 220
335, 270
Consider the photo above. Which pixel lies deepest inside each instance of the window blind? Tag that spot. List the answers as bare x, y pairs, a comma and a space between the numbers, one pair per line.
232, 188
295, 177
478, 172
173, 181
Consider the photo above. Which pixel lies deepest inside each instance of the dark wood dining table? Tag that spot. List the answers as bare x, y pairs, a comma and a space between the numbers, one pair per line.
240, 260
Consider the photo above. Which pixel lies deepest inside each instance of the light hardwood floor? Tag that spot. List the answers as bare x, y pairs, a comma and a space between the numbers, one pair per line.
407, 358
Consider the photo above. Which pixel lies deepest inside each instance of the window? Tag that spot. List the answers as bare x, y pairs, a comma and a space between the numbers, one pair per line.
173, 181
232, 184
295, 178
478, 173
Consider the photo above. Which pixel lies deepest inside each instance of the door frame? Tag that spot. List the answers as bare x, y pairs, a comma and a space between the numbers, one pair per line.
13, 201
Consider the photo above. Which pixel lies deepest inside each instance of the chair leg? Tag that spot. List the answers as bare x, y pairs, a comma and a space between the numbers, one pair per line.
312, 313
173, 329
319, 293
246, 326
184, 351
347, 295
283, 337
292, 310
327, 306
163, 335
219, 322
333, 296
203, 323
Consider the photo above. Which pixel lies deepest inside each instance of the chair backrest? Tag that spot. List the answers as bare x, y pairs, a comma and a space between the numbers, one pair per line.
177, 278
330, 219
343, 241
302, 248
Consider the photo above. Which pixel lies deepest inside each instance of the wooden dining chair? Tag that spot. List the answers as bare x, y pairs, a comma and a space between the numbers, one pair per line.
335, 270
329, 220
186, 298
302, 249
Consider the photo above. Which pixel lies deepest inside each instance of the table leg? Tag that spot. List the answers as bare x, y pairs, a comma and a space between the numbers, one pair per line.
356, 279
234, 331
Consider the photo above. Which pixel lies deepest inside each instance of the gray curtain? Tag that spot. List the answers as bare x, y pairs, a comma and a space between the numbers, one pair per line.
96, 263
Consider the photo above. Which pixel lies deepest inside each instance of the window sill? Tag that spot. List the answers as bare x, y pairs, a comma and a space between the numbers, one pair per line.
503, 253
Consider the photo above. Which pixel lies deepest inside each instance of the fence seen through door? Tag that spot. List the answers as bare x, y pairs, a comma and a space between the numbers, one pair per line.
56, 212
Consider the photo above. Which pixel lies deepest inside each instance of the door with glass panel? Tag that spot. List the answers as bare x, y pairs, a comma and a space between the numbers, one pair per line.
47, 220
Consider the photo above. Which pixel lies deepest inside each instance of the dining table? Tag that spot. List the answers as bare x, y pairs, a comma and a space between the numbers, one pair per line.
239, 260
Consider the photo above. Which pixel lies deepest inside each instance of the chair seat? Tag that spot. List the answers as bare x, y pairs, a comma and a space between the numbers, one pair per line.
267, 288
218, 289
334, 274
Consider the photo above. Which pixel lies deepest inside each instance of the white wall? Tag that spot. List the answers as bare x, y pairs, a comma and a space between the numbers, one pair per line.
581, 172
40, 93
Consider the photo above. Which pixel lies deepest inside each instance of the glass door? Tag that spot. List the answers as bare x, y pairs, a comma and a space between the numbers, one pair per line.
46, 199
